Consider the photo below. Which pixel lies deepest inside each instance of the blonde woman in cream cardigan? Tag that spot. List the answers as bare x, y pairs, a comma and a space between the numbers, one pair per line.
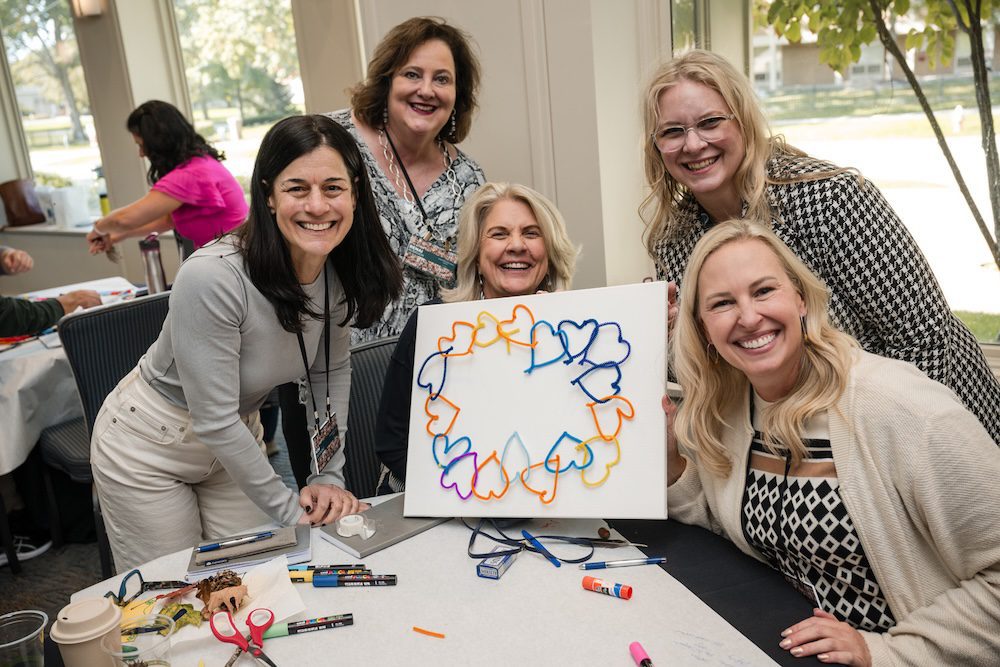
868, 485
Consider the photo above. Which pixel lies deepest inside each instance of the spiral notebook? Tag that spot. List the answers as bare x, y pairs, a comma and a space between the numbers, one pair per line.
390, 527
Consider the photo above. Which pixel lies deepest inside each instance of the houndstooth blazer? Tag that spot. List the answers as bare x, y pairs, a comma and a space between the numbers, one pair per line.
882, 291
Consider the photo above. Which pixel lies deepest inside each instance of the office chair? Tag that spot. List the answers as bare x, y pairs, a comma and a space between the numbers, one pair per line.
369, 362
102, 345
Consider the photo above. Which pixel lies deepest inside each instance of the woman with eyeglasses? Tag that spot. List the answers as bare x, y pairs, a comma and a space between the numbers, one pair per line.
710, 157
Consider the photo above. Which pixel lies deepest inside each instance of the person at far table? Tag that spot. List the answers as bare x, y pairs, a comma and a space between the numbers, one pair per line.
177, 450
868, 485
512, 241
192, 193
21, 317
710, 157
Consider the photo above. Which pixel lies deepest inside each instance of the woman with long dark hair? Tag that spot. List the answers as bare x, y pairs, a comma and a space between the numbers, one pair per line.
192, 193
177, 448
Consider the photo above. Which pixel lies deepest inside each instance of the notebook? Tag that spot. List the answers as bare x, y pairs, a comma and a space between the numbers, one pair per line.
297, 550
390, 527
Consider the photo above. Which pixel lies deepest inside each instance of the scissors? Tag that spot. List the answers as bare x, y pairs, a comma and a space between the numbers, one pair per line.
259, 620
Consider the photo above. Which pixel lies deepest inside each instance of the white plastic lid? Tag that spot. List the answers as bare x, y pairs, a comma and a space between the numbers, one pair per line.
84, 620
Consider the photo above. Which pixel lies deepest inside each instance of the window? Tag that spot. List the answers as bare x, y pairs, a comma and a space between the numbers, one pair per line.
686, 24
876, 125
242, 72
54, 106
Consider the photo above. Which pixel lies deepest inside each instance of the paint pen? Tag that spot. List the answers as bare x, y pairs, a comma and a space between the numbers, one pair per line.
306, 576
343, 566
311, 625
342, 580
639, 655
623, 591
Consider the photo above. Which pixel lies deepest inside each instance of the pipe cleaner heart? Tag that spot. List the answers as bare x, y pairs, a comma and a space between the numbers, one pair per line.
600, 381
547, 344
437, 410
515, 458
578, 335
485, 477
432, 373
445, 451
487, 329
461, 473
567, 448
460, 342
606, 454
609, 413
518, 328
608, 346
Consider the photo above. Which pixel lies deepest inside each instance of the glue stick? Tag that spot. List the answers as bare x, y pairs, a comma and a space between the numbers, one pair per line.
622, 591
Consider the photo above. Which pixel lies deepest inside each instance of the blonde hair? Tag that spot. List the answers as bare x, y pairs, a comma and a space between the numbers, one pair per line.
713, 388
659, 210
559, 248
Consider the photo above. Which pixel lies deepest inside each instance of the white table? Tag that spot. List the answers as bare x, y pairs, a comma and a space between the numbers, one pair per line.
535, 614
37, 390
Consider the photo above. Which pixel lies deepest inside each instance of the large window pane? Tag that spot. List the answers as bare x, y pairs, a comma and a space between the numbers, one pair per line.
55, 109
869, 118
242, 72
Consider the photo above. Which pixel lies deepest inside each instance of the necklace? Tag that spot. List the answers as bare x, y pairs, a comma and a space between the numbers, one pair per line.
401, 178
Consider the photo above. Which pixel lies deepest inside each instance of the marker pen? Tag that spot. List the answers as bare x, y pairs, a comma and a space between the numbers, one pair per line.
341, 580
310, 625
344, 566
639, 655
306, 576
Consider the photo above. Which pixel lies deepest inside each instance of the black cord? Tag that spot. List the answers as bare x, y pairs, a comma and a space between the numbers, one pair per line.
516, 545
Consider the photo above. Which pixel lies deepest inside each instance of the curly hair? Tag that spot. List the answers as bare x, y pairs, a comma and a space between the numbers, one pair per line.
168, 139
369, 98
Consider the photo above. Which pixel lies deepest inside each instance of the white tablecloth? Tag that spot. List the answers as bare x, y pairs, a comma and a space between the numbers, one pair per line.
535, 614
37, 390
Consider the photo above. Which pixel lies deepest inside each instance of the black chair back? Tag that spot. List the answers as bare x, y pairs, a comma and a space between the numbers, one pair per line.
104, 344
369, 362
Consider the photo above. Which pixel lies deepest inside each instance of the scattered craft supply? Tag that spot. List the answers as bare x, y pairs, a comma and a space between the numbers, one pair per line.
223, 591
429, 633
190, 617
623, 591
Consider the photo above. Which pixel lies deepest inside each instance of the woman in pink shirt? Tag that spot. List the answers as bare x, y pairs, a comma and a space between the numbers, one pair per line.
192, 193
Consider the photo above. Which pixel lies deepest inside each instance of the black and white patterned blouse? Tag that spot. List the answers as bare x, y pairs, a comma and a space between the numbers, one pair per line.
799, 524
401, 219
882, 291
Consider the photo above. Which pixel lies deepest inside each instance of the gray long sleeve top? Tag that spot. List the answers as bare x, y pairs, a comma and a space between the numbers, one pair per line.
222, 350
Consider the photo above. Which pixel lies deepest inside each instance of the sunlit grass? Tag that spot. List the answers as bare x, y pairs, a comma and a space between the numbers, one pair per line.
986, 326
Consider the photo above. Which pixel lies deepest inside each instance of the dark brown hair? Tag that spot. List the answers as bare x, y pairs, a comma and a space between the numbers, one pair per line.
368, 98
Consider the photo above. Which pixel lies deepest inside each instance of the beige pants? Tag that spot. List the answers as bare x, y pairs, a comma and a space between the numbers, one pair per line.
160, 488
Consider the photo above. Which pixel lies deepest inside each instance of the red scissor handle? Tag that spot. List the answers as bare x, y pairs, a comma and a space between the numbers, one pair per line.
225, 630
259, 620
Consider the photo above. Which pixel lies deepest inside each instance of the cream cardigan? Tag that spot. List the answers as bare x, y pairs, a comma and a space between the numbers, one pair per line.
921, 481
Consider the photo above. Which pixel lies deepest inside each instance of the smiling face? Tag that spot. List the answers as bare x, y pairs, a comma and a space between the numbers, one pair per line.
422, 93
750, 309
512, 256
708, 170
313, 202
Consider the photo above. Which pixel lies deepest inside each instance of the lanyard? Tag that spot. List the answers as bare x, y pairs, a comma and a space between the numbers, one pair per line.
326, 337
402, 168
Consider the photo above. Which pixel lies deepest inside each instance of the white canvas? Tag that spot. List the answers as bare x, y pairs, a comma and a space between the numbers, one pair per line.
488, 416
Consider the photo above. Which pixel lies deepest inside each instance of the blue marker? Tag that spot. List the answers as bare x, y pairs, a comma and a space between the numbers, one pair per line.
542, 550
656, 560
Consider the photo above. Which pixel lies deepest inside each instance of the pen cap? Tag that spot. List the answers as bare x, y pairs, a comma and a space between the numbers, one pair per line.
638, 653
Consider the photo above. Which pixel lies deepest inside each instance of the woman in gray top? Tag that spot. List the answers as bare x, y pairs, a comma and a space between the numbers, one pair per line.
177, 446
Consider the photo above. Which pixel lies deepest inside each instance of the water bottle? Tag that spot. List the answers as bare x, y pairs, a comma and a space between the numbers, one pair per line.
150, 249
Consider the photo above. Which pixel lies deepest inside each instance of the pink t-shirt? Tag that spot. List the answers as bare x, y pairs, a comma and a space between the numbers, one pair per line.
212, 202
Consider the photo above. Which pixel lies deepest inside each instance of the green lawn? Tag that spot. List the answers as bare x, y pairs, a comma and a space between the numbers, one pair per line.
986, 326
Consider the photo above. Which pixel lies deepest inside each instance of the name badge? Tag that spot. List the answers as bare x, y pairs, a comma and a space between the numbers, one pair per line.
429, 258
325, 442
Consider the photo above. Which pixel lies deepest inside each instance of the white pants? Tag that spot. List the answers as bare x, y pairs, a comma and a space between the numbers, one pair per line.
160, 488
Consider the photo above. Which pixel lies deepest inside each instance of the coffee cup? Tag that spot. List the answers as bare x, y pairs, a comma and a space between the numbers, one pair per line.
81, 626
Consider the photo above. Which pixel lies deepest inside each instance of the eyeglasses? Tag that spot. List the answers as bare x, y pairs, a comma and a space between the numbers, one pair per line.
671, 138
133, 585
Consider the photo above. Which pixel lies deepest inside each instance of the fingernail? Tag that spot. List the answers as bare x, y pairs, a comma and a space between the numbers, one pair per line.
823, 656
785, 633
797, 651
785, 643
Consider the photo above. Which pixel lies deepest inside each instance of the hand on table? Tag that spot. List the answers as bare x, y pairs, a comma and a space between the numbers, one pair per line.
828, 639
83, 298
15, 261
325, 503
